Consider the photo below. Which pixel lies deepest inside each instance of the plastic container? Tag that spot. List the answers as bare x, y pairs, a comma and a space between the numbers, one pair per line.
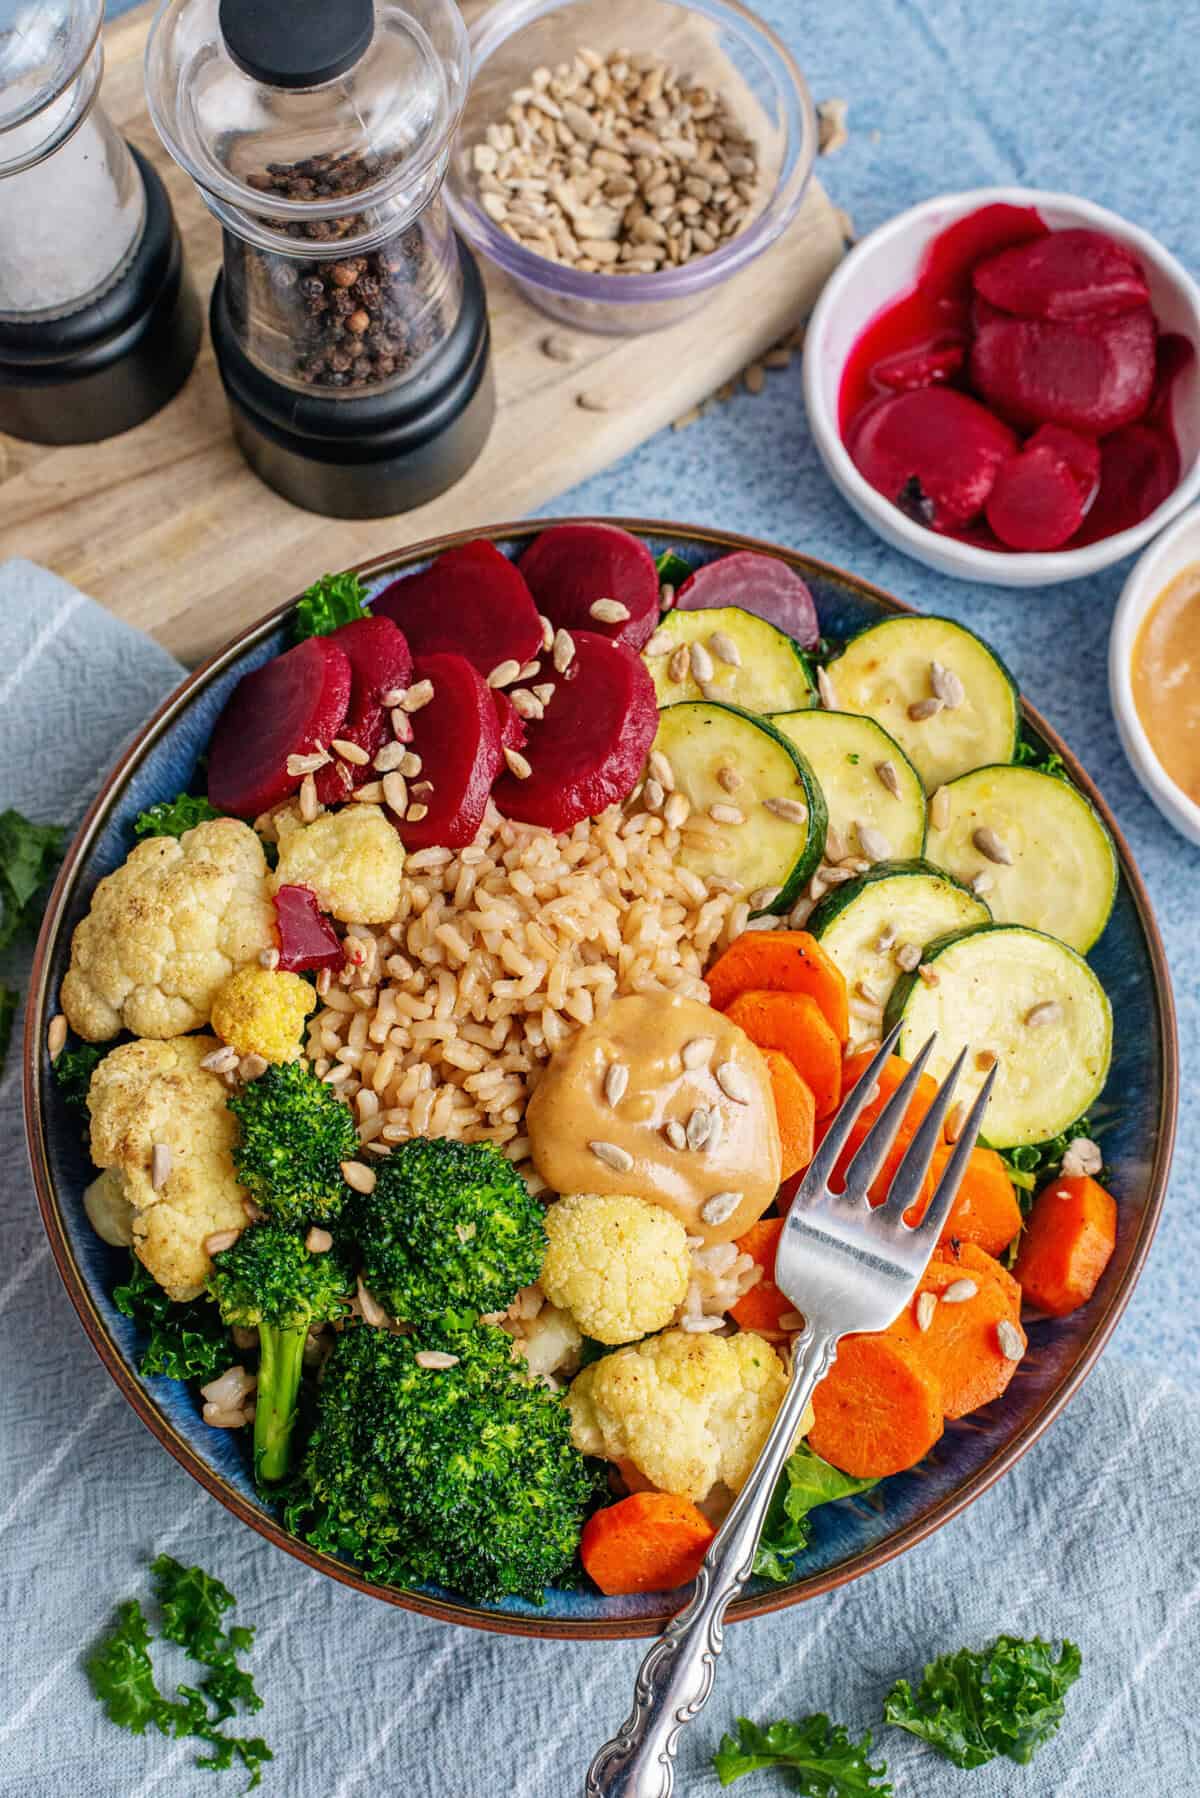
726, 47
349, 326
97, 325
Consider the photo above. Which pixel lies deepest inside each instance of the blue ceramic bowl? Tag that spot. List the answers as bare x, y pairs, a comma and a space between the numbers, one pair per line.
849, 1538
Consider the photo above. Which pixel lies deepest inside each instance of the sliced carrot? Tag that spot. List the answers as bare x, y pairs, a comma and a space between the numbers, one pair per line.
762, 1307
795, 1113
961, 1344
969, 1256
893, 1073
1068, 1242
985, 1209
649, 1542
878, 1410
794, 1024
881, 1184
781, 961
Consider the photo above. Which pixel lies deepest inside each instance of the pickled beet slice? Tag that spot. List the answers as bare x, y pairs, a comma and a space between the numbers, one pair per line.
760, 584
307, 939
457, 736
512, 726
471, 601
1091, 375
589, 749
379, 661
946, 271
1081, 455
571, 566
289, 706
1036, 501
1139, 467
922, 366
1066, 275
933, 452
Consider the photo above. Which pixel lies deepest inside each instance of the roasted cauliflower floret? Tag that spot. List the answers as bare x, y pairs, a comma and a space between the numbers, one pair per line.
620, 1266
352, 859
551, 1343
151, 1093
261, 1011
685, 1409
174, 921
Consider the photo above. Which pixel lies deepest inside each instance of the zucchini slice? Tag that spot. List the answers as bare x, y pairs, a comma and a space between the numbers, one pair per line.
1027, 999
1062, 877
770, 673
724, 757
888, 669
863, 923
845, 752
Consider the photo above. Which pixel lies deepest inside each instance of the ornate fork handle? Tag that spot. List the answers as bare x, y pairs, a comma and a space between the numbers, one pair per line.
676, 1677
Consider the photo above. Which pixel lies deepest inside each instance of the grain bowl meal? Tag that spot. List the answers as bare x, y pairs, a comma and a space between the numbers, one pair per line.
453, 1049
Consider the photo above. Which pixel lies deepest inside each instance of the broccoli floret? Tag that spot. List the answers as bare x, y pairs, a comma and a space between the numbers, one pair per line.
450, 1228
463, 1475
270, 1281
295, 1135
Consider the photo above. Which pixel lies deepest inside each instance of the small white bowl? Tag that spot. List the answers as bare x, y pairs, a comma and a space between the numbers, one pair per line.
1152, 572
884, 266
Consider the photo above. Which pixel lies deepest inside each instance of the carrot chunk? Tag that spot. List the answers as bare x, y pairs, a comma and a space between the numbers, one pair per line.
894, 1070
961, 1344
795, 1113
794, 1024
985, 1209
649, 1542
1068, 1242
762, 1307
878, 1410
975, 1260
781, 961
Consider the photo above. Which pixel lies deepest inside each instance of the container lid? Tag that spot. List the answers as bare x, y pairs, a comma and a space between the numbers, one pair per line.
44, 46
282, 114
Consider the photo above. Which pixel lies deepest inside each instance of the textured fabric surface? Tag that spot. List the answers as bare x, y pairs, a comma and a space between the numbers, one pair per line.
1093, 1535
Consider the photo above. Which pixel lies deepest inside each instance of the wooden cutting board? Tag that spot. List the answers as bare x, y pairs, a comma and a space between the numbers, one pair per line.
167, 526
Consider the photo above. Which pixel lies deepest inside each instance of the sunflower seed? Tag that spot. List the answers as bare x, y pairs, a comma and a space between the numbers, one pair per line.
835, 847
653, 795
725, 649
873, 843
675, 1134
659, 643
662, 770
939, 809
726, 814
219, 1241
612, 1155
298, 765
1009, 1338
959, 1291
417, 696
310, 805
926, 1306
734, 1083
677, 667
350, 752
791, 810
547, 633
557, 347
720, 1207
1082, 1157
701, 663
956, 1117
608, 611
885, 940
160, 1165
517, 763
927, 976
697, 1051
318, 1241
729, 780
946, 685
825, 689
762, 898
504, 673
924, 708
867, 992
698, 1126
435, 1359
544, 691
1048, 1012
416, 813
56, 1036
395, 792
994, 847
907, 956
389, 757
564, 650
526, 705
616, 1082
888, 777
716, 1130
361, 1178
401, 725
983, 882
220, 1061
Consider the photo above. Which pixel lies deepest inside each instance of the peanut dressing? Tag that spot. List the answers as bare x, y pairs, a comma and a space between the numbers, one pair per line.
1166, 679
664, 1098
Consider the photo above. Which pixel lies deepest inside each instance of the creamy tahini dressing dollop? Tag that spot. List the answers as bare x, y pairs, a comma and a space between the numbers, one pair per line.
581, 1112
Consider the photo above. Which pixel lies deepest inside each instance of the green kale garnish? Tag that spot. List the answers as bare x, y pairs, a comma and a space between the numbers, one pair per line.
673, 570
334, 600
73, 1072
1033, 1165
806, 1482
827, 1763
1042, 761
28, 856
971, 1707
193, 1604
171, 817
122, 1675
186, 1341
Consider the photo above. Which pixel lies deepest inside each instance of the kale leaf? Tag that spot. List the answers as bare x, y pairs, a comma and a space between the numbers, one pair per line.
1033, 1165
971, 1707
193, 1604
1043, 761
806, 1482
828, 1764
73, 1072
122, 1675
186, 1341
673, 570
171, 817
334, 600
28, 856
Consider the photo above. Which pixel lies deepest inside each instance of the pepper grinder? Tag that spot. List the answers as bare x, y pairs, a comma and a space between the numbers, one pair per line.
98, 324
349, 322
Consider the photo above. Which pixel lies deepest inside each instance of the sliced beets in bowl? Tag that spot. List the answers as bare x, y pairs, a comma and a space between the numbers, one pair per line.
380, 662
589, 749
572, 568
1092, 375
457, 736
471, 601
760, 584
1040, 495
934, 452
1071, 274
293, 705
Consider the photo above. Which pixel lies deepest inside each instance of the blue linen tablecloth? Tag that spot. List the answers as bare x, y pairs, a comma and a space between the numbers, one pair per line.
1093, 1535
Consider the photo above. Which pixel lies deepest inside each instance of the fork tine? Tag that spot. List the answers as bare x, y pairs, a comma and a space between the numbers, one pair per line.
870, 1156
812, 1188
947, 1187
910, 1175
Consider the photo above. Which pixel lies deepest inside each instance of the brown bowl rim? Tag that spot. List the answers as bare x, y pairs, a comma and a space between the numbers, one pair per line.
447, 1610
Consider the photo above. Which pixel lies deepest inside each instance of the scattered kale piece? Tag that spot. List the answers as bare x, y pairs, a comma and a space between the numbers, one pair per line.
806, 1482
193, 1604
1006, 1699
29, 854
1043, 761
122, 1675
295, 1134
1032, 1165
673, 570
334, 600
827, 1764
186, 1341
171, 817
73, 1072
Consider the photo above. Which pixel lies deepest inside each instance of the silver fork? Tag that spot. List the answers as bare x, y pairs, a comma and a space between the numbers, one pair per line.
847, 1266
